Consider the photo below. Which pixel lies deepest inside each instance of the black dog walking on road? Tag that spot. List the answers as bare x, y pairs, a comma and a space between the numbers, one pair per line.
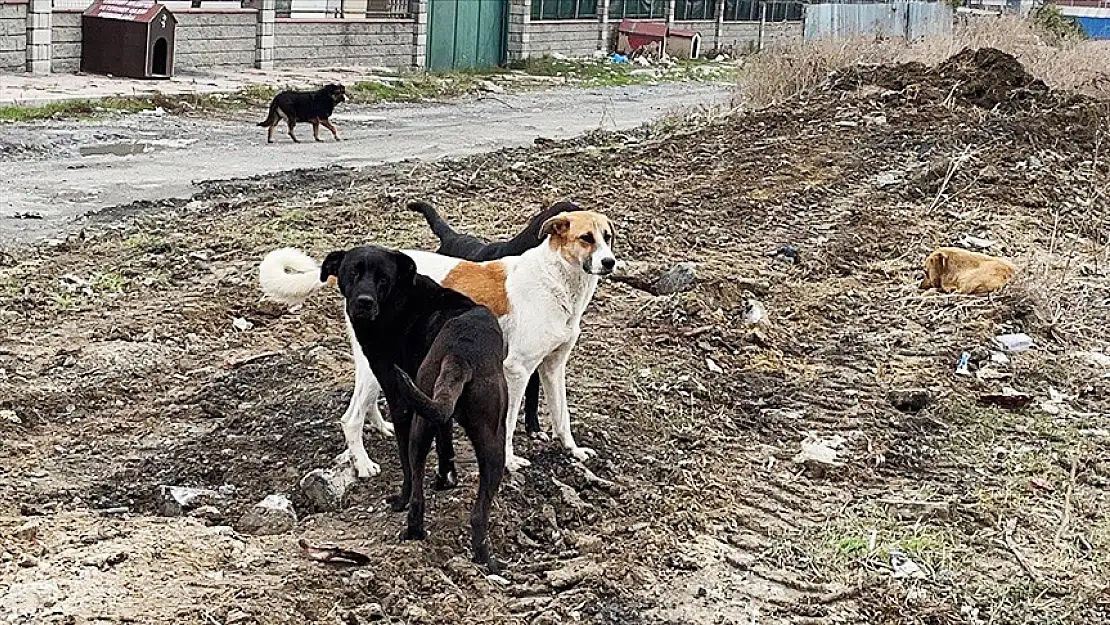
315, 107
407, 325
469, 247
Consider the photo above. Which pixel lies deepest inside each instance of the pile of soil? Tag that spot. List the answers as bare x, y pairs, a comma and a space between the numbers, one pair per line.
985, 77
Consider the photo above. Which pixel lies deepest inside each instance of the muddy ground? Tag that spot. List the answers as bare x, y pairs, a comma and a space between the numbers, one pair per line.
125, 369
57, 172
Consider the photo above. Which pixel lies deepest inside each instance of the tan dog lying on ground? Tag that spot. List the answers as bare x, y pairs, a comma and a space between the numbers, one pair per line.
956, 270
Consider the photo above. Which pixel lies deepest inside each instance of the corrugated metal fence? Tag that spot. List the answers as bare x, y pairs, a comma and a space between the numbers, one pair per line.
911, 20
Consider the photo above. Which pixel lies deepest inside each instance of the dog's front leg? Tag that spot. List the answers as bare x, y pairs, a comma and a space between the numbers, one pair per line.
553, 376
516, 377
330, 126
364, 400
402, 426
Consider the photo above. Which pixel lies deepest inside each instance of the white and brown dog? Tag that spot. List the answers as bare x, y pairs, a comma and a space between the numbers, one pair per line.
538, 297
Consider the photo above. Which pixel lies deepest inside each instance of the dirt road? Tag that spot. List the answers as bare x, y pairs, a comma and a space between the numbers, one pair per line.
56, 172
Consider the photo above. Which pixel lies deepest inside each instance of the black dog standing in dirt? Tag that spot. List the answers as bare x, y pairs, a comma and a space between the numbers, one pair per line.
304, 106
409, 325
469, 247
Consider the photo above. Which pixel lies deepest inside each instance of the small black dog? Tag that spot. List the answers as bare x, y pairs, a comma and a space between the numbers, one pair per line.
304, 106
408, 325
470, 247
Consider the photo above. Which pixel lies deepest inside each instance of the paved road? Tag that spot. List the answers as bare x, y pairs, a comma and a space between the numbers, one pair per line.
61, 171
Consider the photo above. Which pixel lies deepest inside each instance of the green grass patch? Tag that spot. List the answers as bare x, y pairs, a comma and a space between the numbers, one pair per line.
75, 109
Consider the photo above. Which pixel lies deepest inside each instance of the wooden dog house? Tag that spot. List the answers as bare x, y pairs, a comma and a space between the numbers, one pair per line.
635, 35
131, 38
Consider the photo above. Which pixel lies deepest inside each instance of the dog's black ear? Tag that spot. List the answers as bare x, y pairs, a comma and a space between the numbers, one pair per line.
331, 264
406, 269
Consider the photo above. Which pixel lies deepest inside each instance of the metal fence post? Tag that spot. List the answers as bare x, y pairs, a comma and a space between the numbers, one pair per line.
603, 43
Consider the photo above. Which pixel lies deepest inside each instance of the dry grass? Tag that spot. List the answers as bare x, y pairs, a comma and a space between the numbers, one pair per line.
1071, 64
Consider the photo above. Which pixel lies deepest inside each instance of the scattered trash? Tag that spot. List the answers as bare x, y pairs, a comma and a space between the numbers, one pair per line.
618, 58
1013, 342
712, 366
1000, 358
990, 372
975, 243
332, 554
10, 417
963, 363
903, 567
754, 312
910, 399
26, 215
242, 324
1008, 399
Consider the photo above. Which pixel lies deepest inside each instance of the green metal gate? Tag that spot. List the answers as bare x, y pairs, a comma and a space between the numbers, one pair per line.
465, 34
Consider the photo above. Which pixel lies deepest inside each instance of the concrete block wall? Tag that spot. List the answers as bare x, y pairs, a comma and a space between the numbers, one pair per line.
13, 37
569, 37
323, 42
66, 44
222, 38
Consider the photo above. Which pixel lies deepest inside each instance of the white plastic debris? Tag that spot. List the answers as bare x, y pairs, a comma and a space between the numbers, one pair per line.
242, 324
1013, 342
712, 366
904, 568
975, 243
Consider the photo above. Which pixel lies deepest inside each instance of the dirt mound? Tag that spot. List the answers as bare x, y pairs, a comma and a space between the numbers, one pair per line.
984, 77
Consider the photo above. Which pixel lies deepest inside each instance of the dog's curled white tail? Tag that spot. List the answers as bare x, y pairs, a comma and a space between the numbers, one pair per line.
289, 276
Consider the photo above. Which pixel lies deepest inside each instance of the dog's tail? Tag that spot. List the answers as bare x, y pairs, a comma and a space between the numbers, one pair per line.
272, 118
441, 229
289, 276
454, 373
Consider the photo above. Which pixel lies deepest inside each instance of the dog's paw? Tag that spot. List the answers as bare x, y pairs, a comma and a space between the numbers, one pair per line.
413, 533
397, 503
385, 429
516, 463
448, 481
540, 436
493, 565
582, 454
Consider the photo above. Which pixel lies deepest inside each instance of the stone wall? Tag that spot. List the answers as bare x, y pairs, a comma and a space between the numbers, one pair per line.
222, 38
13, 37
570, 37
324, 42
65, 44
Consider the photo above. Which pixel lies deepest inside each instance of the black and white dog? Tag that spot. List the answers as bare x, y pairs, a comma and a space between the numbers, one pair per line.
407, 325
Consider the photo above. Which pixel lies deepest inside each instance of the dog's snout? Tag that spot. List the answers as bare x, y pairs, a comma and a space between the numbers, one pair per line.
365, 306
608, 263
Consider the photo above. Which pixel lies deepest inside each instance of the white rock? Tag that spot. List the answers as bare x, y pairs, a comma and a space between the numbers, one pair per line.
272, 515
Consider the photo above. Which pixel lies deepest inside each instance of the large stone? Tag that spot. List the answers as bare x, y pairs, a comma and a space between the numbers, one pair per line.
326, 489
179, 500
272, 515
656, 279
